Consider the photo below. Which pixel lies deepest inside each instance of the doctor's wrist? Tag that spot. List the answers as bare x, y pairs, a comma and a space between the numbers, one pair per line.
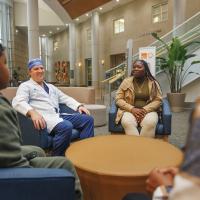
80, 106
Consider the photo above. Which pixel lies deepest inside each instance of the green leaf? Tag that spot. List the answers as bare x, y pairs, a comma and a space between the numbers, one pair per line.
195, 62
174, 60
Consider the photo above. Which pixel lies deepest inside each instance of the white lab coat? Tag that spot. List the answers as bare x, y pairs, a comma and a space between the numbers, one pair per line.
30, 95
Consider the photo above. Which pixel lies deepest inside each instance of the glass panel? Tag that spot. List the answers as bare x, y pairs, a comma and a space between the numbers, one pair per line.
164, 7
156, 10
116, 29
89, 36
156, 19
164, 16
160, 12
119, 26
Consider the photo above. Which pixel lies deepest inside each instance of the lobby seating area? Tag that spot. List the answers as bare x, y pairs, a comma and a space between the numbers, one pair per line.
84, 95
100, 52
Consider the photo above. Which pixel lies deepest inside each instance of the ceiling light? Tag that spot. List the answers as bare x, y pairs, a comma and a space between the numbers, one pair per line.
50, 32
43, 35
57, 28
16, 31
87, 14
117, 0
66, 24
77, 19
100, 8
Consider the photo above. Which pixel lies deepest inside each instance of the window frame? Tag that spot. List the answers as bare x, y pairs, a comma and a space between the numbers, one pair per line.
118, 20
160, 13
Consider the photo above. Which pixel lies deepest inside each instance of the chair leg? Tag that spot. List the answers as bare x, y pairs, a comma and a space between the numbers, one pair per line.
163, 137
117, 133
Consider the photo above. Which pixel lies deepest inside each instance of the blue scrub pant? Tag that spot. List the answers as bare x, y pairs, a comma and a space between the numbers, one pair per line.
63, 131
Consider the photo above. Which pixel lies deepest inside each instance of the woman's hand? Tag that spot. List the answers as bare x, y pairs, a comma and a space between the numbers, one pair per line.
139, 113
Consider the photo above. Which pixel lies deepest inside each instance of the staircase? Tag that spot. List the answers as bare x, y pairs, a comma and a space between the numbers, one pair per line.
187, 32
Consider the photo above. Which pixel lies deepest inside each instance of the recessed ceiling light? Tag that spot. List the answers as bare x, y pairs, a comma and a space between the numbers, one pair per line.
87, 14
100, 8
117, 0
43, 35
77, 19
66, 24
50, 32
16, 31
57, 28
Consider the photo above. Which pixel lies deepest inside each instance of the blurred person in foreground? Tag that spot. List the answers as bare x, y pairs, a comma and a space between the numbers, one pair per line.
12, 154
178, 183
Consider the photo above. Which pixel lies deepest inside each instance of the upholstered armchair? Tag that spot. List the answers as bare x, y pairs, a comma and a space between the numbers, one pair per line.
163, 128
36, 183
32, 136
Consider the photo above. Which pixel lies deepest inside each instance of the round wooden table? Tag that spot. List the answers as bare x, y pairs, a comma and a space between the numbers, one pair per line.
111, 166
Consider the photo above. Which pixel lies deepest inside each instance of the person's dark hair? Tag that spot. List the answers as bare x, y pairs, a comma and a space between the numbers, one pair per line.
146, 68
2, 48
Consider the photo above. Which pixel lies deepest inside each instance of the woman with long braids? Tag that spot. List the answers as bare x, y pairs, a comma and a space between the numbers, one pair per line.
138, 99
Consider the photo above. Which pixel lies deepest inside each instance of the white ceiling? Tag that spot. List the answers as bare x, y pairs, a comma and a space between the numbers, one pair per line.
61, 13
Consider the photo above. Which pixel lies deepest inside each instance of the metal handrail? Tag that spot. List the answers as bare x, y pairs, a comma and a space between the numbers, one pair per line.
187, 36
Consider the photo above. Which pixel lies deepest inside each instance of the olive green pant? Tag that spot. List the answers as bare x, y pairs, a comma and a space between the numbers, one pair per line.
41, 161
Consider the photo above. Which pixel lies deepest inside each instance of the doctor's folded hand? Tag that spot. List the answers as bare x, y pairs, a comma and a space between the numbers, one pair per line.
83, 110
38, 120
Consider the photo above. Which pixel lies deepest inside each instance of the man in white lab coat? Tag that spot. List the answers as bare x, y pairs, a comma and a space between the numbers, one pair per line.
40, 101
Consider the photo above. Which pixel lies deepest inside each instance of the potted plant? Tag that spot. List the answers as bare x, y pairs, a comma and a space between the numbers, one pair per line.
172, 63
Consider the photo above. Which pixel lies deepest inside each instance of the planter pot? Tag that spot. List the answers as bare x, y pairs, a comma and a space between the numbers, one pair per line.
177, 101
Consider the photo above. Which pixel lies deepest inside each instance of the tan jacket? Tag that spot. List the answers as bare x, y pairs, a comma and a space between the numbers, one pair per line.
125, 97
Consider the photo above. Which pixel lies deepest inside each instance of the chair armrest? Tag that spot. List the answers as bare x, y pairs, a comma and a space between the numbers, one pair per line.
112, 116
112, 126
36, 183
65, 109
166, 116
30, 135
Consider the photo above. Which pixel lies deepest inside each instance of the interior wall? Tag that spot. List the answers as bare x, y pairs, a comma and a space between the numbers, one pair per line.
193, 6
138, 26
62, 51
21, 54
47, 17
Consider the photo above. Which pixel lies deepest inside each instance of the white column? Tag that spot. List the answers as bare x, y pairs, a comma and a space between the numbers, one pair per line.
79, 63
72, 52
179, 9
129, 47
50, 64
95, 49
33, 28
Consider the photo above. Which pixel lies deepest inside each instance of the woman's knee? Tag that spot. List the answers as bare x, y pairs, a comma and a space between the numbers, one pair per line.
150, 121
128, 120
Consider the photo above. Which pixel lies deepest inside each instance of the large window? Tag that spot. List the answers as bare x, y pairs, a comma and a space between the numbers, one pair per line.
119, 26
160, 12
